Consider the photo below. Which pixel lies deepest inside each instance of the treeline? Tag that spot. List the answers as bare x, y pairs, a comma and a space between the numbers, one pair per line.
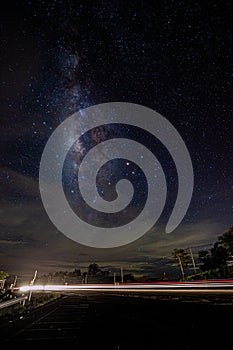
93, 270
93, 274
217, 262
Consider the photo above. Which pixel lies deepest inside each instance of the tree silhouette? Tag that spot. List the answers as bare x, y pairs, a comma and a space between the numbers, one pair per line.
226, 240
216, 257
182, 258
93, 269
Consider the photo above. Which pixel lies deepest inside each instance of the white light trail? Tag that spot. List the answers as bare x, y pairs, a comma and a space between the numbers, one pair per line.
160, 286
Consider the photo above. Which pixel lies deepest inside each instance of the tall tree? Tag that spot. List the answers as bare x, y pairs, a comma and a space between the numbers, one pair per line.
182, 258
214, 258
3, 275
93, 269
226, 240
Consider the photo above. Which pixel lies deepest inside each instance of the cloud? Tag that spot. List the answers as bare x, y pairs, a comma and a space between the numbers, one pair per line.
8, 242
28, 239
195, 235
14, 184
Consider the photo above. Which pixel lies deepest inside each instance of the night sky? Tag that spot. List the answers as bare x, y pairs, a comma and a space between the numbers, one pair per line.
60, 57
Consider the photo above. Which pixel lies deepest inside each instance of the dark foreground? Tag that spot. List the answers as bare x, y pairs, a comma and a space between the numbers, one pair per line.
113, 321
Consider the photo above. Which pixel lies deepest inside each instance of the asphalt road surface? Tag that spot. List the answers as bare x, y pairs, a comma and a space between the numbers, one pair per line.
112, 321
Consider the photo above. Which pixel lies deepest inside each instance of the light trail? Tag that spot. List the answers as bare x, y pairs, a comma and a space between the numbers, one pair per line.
207, 286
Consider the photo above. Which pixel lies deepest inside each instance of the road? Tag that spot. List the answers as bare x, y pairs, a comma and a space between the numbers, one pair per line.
126, 320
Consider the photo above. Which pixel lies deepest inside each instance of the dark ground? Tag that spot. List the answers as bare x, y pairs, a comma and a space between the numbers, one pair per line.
115, 321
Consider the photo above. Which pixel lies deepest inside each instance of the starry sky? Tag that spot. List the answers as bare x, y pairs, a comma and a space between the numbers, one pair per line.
60, 57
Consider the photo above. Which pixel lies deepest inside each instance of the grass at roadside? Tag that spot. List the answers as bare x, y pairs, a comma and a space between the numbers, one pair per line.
20, 309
